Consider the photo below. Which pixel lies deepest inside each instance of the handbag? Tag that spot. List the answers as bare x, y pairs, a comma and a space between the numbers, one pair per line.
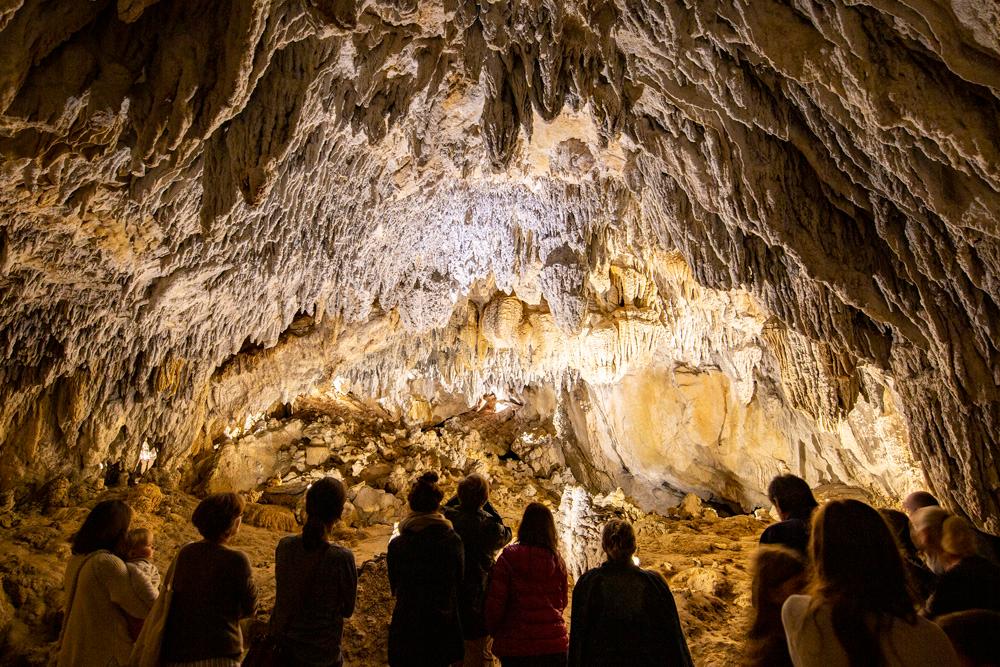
266, 651
148, 647
269, 650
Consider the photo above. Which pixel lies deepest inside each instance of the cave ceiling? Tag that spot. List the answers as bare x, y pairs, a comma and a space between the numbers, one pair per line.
180, 181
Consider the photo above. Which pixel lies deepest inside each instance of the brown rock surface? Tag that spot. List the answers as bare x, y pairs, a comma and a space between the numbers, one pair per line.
210, 207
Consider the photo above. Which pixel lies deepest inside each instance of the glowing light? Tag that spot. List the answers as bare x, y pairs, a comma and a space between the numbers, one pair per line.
147, 453
235, 431
395, 530
635, 559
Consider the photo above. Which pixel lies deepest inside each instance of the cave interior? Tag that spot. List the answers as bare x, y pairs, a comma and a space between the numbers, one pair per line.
623, 257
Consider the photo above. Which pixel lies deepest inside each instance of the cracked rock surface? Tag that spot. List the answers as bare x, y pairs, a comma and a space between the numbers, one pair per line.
210, 207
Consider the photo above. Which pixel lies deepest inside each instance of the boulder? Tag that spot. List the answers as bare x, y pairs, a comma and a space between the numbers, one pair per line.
244, 464
272, 517
145, 498
690, 507
373, 506
317, 455
377, 475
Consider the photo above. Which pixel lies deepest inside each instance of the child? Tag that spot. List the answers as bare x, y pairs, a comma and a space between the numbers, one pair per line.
139, 554
777, 573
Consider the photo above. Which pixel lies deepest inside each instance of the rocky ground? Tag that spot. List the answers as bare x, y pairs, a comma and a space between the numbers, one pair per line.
704, 557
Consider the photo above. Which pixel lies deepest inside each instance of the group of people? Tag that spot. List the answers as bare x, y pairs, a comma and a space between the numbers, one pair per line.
837, 584
459, 603
846, 584
111, 586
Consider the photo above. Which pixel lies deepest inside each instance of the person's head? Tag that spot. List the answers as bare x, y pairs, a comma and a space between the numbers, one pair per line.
958, 538
473, 491
538, 528
139, 543
324, 506
858, 570
777, 573
918, 500
792, 497
217, 517
425, 494
899, 524
106, 527
926, 527
974, 634
618, 540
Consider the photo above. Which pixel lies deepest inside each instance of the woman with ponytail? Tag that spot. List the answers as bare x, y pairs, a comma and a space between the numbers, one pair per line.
316, 583
859, 612
425, 574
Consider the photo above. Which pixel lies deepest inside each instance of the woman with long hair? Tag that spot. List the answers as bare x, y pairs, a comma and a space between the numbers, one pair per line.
968, 581
858, 612
98, 589
778, 572
213, 589
316, 583
425, 574
528, 593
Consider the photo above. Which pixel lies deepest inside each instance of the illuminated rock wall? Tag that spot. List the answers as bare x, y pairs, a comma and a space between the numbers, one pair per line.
183, 181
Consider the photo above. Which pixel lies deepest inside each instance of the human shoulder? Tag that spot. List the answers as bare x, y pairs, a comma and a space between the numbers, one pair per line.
588, 578
509, 553
450, 536
654, 579
338, 553
235, 559
928, 639
794, 610
288, 543
105, 563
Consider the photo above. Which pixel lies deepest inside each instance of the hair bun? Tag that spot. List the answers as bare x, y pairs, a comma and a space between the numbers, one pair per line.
429, 477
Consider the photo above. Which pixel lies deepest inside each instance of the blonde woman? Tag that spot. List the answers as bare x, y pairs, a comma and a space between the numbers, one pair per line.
968, 581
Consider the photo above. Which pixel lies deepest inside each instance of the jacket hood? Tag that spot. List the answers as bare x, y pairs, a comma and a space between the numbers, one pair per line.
418, 521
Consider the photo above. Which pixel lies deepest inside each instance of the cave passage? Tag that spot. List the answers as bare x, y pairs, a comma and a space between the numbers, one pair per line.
629, 258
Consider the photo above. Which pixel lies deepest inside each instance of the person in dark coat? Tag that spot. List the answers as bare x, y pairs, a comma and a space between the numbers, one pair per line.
316, 584
528, 592
425, 575
974, 634
483, 534
793, 500
624, 615
922, 580
213, 589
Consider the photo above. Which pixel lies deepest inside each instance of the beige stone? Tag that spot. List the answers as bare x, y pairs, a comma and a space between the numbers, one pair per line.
797, 200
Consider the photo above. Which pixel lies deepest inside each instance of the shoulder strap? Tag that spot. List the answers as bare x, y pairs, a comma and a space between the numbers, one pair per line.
168, 581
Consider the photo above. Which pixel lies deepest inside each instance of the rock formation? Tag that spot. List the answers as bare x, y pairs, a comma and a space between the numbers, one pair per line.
787, 208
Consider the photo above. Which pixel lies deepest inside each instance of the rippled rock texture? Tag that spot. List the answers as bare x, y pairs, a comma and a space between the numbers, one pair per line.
206, 207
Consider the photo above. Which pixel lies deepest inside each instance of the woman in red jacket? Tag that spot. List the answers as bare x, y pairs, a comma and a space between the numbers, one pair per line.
528, 592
